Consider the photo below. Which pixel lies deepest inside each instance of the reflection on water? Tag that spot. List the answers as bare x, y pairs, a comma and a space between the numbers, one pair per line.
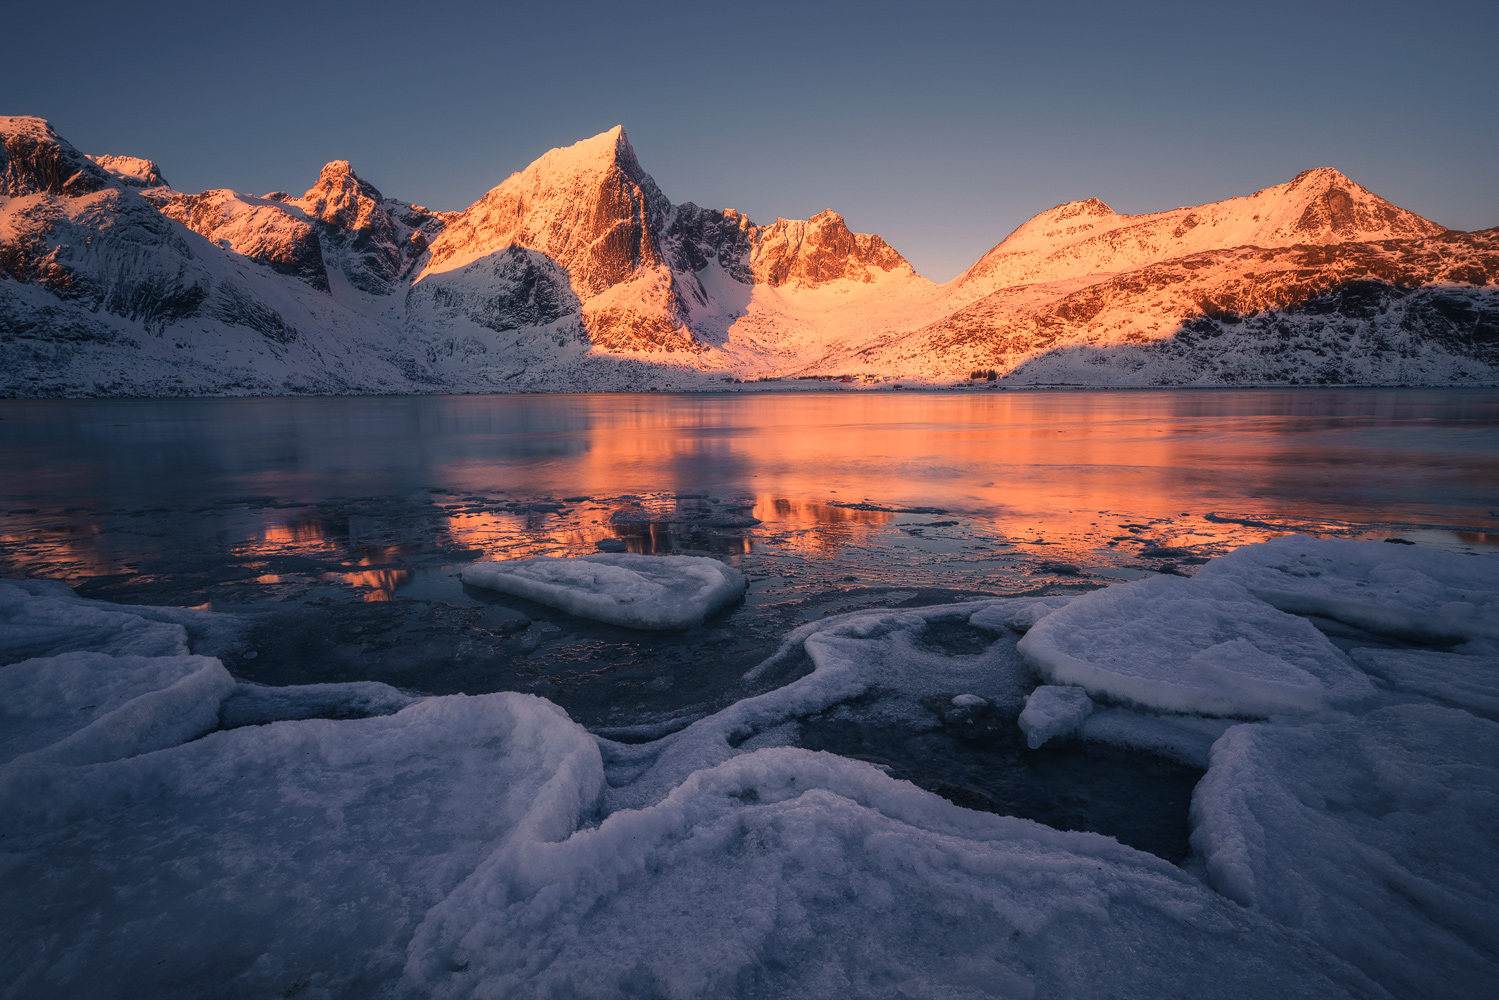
364, 489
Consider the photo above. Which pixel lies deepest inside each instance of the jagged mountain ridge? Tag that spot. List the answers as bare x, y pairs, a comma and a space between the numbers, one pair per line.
578, 272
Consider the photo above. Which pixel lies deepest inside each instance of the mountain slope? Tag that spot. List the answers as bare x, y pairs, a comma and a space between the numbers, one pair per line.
1407, 311
1086, 237
579, 273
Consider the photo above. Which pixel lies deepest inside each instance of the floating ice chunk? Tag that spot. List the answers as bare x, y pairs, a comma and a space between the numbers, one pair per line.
44, 618
1462, 681
1017, 619
644, 592
290, 859
1378, 837
81, 707
968, 701
259, 704
1192, 645
1409, 591
1186, 738
1053, 711
786, 873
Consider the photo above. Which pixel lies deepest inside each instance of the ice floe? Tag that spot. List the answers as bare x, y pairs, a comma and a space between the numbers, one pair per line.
296, 858
258, 704
1051, 711
644, 592
1409, 591
43, 618
1192, 645
167, 831
80, 707
1468, 681
786, 873
1378, 837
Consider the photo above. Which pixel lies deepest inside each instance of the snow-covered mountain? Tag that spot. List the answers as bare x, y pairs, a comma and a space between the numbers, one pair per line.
579, 273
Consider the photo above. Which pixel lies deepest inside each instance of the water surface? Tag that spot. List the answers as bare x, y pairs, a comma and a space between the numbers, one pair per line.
338, 525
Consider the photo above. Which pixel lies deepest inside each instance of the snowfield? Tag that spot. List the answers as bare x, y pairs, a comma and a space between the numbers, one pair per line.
169, 831
578, 274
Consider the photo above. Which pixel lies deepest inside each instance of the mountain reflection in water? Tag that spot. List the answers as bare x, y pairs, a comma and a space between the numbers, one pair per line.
365, 490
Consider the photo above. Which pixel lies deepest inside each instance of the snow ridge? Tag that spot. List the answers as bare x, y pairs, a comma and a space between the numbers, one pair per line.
579, 273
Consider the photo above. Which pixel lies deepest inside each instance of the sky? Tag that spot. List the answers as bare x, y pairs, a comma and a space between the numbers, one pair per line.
940, 126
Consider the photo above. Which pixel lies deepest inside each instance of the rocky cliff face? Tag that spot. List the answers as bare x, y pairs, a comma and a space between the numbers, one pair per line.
375, 240
633, 259
578, 272
820, 250
342, 221
263, 229
133, 172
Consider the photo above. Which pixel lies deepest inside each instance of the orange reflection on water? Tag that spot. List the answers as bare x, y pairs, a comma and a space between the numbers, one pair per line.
381, 583
1072, 468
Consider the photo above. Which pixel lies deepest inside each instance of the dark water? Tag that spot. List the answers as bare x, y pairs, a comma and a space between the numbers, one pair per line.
338, 525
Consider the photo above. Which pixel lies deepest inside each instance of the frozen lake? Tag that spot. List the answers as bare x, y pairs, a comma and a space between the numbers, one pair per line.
340, 525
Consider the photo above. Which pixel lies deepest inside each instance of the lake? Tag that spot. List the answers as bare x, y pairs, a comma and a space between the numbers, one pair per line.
337, 526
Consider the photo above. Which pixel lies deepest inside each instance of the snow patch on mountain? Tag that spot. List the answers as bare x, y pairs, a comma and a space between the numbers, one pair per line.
578, 273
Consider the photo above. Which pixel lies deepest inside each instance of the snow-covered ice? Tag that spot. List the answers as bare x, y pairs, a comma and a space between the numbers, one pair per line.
786, 873
1192, 645
878, 653
40, 617
1185, 738
1378, 837
644, 592
1467, 681
1018, 618
296, 858
80, 708
1408, 591
44, 618
1053, 710
166, 831
258, 704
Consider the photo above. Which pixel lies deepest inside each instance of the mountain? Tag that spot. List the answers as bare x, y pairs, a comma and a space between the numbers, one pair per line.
579, 273
1083, 238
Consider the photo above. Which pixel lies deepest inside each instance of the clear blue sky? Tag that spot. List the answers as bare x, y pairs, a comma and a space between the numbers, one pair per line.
940, 126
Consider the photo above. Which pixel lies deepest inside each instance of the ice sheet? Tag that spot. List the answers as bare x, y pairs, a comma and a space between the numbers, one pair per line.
1192, 645
1051, 711
44, 618
85, 707
292, 859
785, 873
1018, 619
1378, 837
472, 846
644, 592
1468, 681
1186, 738
1408, 591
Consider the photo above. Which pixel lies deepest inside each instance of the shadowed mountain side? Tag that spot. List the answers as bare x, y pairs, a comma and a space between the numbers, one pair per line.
1364, 333
1383, 301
